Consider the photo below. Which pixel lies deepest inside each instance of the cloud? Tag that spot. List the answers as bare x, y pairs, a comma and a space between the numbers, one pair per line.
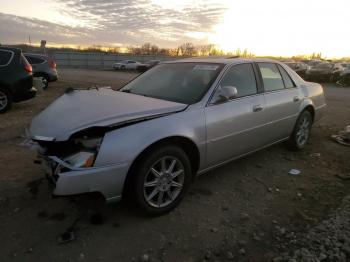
119, 21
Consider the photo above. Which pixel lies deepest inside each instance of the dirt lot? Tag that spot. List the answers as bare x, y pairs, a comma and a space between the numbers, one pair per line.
238, 212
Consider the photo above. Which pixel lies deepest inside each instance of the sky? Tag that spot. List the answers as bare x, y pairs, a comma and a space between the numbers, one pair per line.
264, 27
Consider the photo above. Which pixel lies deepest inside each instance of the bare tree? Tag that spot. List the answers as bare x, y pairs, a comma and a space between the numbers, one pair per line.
187, 49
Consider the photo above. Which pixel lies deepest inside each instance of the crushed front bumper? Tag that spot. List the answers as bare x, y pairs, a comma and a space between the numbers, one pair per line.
67, 180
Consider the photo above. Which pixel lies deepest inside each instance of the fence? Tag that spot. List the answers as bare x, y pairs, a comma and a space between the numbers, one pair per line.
100, 60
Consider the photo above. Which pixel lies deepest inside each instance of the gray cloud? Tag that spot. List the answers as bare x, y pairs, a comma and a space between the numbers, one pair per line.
119, 21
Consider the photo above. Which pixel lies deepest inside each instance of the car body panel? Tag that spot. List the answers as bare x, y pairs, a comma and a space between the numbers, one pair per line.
282, 110
97, 107
219, 132
231, 123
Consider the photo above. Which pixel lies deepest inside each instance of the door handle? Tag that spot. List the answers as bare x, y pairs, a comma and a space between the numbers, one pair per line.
257, 108
296, 99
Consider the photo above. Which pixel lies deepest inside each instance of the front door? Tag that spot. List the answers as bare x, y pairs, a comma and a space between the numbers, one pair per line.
237, 126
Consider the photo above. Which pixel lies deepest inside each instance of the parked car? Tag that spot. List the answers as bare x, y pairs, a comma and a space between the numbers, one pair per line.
148, 65
312, 62
337, 70
179, 119
321, 72
16, 79
43, 67
126, 65
299, 67
344, 77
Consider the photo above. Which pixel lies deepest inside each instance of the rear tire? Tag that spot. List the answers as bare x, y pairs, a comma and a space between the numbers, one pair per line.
5, 100
160, 180
45, 81
301, 132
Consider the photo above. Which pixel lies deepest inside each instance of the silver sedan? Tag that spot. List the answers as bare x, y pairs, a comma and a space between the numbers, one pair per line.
179, 119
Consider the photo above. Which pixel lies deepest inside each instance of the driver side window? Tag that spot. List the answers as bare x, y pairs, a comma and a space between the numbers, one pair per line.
243, 78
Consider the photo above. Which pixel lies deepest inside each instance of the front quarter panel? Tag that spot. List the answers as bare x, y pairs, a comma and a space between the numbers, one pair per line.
123, 145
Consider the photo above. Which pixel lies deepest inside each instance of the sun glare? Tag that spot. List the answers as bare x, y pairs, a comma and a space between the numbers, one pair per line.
285, 28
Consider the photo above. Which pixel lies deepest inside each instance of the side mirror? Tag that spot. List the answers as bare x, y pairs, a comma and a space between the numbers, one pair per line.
224, 93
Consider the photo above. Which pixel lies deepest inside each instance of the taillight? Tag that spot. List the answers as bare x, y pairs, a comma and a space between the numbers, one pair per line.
52, 64
26, 64
28, 68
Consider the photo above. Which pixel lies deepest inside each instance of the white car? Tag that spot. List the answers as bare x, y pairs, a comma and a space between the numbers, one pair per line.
126, 65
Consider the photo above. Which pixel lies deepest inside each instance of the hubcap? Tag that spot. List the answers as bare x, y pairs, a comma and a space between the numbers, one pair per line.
3, 100
303, 131
164, 182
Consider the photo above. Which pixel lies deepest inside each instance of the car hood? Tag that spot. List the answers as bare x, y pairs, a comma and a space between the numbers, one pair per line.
82, 109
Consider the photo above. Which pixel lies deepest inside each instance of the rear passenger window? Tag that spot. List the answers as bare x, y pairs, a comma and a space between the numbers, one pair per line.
288, 82
5, 57
34, 60
271, 76
243, 78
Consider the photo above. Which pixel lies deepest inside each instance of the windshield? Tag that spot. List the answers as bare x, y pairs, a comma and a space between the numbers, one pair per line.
178, 82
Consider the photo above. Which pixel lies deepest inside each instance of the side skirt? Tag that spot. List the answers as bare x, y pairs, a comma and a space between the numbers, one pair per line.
240, 156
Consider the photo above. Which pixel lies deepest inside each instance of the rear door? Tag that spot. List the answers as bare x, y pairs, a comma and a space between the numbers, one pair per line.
236, 127
283, 101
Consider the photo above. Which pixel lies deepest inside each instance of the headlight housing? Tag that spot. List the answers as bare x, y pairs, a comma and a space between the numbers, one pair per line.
81, 159
86, 154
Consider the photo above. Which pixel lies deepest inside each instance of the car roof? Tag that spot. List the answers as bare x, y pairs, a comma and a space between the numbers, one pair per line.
13, 49
221, 60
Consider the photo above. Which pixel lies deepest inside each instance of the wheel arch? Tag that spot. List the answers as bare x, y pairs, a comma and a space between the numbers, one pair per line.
7, 88
309, 108
186, 144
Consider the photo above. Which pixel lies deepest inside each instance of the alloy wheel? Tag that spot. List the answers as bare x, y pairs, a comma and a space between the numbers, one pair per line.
164, 182
303, 132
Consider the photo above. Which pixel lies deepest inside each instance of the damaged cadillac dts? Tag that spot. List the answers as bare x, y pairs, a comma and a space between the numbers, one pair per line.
147, 141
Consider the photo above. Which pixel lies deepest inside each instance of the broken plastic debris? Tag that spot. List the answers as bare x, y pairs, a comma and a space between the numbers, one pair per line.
315, 155
294, 172
343, 137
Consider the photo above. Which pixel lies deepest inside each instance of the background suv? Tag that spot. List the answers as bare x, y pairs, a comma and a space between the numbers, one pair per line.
16, 79
44, 67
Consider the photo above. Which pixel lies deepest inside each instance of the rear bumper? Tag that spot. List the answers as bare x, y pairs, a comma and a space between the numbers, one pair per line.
53, 78
108, 180
25, 95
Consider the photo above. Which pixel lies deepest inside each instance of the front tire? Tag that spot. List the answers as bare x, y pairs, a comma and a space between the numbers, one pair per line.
301, 132
5, 100
160, 180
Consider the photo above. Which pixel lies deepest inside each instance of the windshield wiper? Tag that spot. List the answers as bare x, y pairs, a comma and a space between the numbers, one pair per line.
126, 91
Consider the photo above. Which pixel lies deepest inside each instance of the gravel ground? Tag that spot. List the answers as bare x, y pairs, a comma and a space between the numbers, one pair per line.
248, 210
327, 241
